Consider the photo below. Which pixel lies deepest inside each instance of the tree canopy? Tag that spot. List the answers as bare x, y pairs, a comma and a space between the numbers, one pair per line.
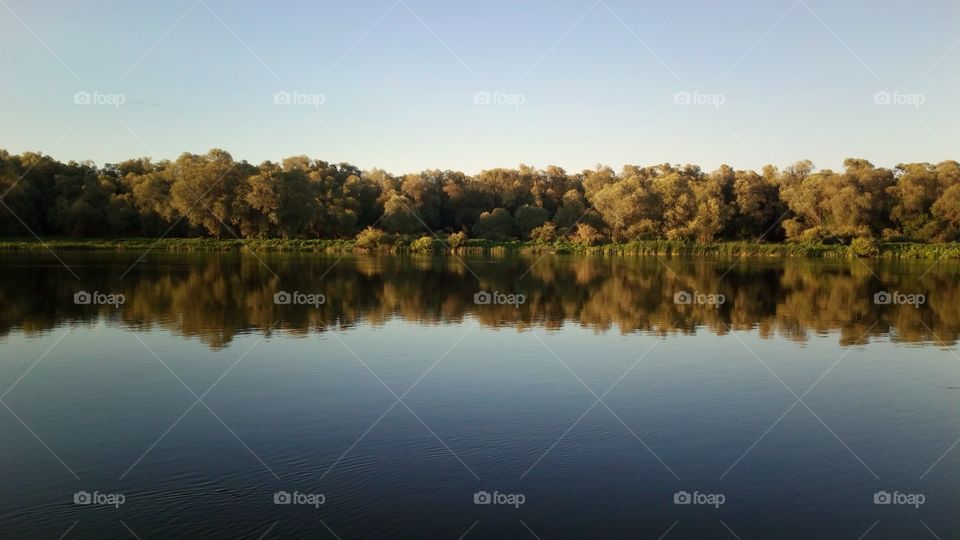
215, 195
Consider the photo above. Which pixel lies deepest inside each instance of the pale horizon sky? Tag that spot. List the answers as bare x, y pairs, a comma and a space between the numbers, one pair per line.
395, 84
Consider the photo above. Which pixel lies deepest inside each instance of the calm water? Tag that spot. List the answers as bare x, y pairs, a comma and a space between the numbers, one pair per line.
787, 400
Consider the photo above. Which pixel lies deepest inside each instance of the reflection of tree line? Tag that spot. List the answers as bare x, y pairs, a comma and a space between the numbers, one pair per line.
214, 297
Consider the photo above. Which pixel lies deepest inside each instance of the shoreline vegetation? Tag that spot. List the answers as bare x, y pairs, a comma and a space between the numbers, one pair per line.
428, 245
215, 203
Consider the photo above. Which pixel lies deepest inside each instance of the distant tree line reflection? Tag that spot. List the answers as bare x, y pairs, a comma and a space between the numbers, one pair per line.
213, 297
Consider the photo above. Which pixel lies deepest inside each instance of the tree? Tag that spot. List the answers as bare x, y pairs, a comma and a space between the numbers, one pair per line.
572, 209
757, 205
425, 191
630, 207
495, 225
302, 197
277, 201
205, 187
530, 217
399, 216
679, 202
947, 210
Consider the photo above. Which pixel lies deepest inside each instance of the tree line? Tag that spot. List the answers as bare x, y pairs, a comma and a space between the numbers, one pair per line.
214, 195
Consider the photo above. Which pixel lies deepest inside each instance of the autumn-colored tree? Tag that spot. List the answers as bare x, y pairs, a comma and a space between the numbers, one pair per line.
399, 215
302, 197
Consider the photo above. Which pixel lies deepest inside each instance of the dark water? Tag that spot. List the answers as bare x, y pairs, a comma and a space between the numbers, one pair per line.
587, 408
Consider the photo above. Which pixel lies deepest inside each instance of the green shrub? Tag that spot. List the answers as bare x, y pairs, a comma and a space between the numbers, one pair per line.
424, 244
370, 238
865, 247
457, 240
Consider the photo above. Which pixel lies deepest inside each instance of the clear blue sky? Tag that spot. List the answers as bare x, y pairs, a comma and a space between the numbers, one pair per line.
596, 80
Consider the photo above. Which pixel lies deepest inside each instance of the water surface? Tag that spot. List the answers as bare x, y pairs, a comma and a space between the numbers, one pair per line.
399, 398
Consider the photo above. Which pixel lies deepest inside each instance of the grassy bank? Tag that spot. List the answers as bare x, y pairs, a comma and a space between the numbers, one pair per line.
886, 250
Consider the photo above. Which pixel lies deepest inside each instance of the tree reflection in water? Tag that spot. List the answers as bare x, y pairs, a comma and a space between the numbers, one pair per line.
213, 297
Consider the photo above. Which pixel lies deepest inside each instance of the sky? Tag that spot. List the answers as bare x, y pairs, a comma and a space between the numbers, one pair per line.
407, 85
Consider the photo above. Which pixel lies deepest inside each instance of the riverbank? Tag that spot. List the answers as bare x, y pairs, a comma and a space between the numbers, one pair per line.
886, 250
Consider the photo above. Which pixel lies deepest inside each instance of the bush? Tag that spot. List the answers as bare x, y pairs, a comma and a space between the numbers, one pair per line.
370, 238
587, 235
865, 247
424, 244
818, 234
544, 234
457, 240
893, 235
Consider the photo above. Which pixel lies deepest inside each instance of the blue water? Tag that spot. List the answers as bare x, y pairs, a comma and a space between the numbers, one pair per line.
107, 402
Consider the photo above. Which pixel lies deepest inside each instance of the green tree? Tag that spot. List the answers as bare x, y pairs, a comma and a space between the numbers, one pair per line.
204, 189
495, 225
529, 217
399, 216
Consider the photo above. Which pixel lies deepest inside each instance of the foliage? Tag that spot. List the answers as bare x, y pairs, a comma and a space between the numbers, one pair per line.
495, 225
885, 250
457, 240
864, 247
529, 217
587, 235
370, 238
424, 244
544, 234
214, 195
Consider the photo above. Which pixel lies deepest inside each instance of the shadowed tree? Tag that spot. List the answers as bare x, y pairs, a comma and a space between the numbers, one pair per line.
495, 225
528, 218
399, 216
